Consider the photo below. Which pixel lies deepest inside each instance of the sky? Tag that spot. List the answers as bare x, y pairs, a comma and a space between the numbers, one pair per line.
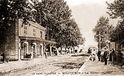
86, 13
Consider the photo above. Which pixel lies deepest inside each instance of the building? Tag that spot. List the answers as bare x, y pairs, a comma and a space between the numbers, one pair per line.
117, 45
26, 41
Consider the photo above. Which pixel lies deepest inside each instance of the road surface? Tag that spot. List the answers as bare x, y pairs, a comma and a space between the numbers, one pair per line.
55, 65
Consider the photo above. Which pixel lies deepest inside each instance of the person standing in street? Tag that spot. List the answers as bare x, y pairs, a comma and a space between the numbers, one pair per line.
45, 53
120, 58
114, 57
99, 55
4, 57
93, 55
102, 53
110, 56
105, 56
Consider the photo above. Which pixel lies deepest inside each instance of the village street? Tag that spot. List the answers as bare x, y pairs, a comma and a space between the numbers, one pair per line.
69, 64
97, 68
64, 63
61, 37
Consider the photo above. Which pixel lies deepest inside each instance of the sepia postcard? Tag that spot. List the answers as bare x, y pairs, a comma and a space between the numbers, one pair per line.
61, 38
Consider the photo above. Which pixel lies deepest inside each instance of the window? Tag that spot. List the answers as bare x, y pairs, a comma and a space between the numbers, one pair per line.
34, 32
25, 29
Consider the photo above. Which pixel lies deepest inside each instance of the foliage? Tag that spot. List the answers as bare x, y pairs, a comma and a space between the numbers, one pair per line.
118, 32
102, 31
55, 15
12, 9
71, 35
116, 10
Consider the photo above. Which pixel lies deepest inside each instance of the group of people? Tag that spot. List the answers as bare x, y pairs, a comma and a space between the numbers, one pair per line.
103, 56
114, 57
92, 55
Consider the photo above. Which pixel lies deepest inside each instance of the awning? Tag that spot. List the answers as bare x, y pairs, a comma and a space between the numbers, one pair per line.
37, 39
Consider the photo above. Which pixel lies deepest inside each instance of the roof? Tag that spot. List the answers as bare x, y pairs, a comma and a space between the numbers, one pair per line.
34, 24
37, 39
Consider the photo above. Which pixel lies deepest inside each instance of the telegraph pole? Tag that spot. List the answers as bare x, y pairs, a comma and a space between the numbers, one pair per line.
99, 41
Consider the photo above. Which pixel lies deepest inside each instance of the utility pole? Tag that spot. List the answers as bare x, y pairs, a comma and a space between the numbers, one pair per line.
99, 41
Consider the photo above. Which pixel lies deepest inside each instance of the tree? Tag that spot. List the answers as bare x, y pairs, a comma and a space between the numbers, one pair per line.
116, 10
118, 32
102, 31
10, 10
70, 36
55, 15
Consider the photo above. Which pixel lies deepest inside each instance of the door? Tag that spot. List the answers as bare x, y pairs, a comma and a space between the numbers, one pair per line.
23, 50
41, 50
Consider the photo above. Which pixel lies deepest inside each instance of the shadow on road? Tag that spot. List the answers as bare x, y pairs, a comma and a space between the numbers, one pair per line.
69, 65
80, 55
107, 72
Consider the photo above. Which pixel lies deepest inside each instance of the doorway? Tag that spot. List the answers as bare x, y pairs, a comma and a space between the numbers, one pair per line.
23, 50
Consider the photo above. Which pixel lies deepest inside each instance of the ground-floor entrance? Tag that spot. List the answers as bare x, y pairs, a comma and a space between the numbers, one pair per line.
33, 48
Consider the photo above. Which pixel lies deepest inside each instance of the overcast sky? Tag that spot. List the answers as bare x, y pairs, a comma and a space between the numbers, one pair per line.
86, 14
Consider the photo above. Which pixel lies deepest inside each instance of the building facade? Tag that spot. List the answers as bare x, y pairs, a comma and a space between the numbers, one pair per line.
26, 41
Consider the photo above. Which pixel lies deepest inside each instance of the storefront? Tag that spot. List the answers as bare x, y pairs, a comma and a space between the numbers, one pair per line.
31, 47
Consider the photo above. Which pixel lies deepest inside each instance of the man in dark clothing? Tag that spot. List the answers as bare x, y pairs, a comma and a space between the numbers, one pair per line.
99, 55
4, 57
120, 57
89, 51
105, 56
114, 57
110, 56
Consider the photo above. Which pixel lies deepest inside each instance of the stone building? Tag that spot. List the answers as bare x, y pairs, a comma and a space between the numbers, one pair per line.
25, 41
